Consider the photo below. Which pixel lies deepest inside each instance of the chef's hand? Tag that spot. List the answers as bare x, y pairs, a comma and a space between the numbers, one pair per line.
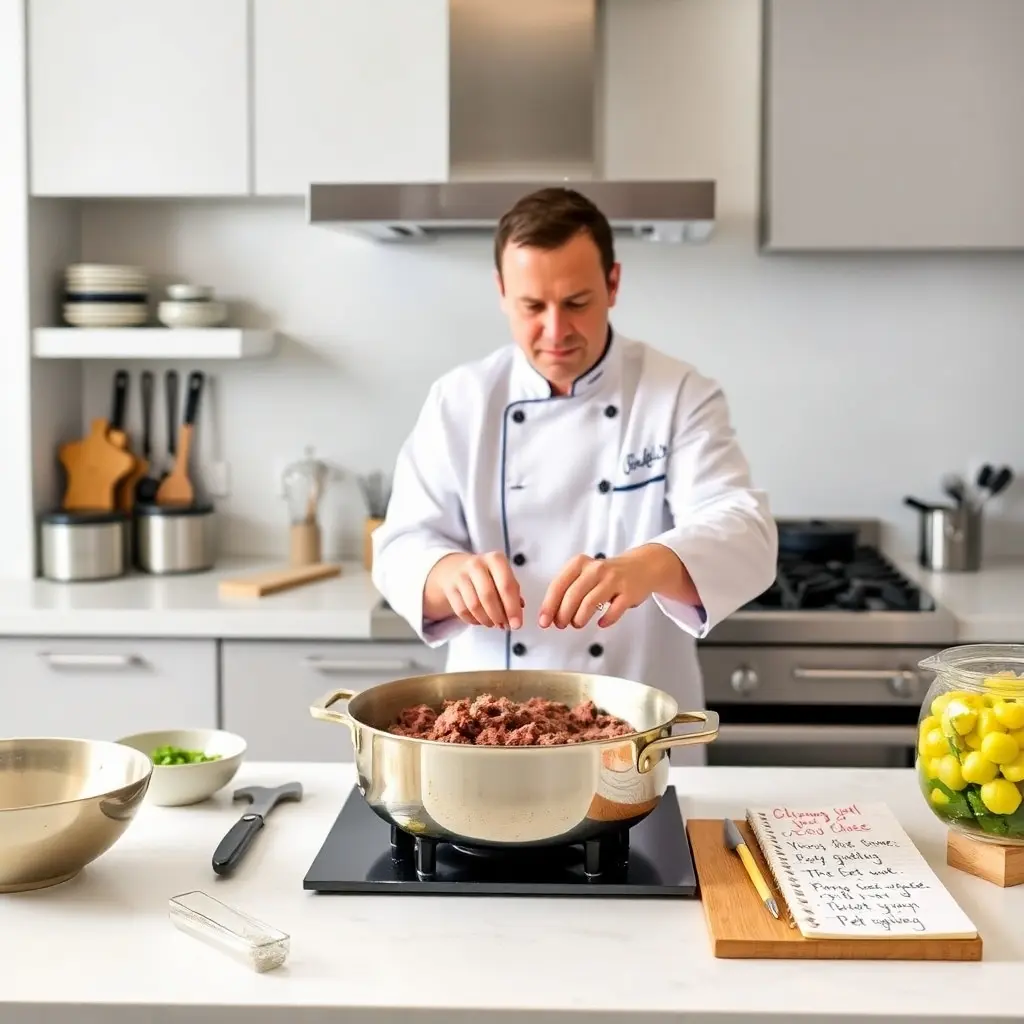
611, 585
480, 590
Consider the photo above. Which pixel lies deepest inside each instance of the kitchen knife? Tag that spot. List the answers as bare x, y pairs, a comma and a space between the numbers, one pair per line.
263, 800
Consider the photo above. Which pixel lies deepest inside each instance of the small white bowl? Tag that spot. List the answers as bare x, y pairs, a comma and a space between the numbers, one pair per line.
191, 314
189, 292
176, 785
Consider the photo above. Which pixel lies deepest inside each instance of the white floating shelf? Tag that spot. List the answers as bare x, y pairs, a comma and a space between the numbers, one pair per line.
151, 343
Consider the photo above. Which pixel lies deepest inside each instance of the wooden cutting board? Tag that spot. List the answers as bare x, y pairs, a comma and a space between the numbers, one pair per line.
740, 928
261, 583
94, 466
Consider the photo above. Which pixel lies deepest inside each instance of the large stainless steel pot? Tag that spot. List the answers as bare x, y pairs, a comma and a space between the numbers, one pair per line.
514, 796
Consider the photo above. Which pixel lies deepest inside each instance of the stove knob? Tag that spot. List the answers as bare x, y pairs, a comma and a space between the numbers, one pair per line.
744, 680
904, 684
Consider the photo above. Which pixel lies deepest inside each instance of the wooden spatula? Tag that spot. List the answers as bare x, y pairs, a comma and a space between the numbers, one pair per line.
177, 488
94, 466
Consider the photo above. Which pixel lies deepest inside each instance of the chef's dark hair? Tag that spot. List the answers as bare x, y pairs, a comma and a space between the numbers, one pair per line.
548, 218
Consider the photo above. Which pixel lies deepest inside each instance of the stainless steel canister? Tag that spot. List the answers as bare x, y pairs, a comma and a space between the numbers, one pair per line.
175, 538
79, 546
951, 538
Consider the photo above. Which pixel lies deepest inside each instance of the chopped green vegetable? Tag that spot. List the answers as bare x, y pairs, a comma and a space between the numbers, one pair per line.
178, 755
957, 804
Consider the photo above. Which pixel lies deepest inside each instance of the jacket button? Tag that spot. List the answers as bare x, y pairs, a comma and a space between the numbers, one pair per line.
518, 416
519, 650
610, 411
519, 558
596, 650
604, 487
600, 554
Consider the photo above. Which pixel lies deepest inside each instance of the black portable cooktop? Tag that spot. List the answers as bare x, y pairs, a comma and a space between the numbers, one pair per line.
363, 854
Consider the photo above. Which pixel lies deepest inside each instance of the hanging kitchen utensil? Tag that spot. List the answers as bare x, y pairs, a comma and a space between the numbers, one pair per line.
125, 493
94, 467
171, 402
145, 488
818, 540
177, 489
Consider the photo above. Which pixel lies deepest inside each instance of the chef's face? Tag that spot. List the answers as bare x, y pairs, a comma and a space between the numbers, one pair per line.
557, 303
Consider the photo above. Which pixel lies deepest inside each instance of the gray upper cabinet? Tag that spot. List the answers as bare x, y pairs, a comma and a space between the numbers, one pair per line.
893, 124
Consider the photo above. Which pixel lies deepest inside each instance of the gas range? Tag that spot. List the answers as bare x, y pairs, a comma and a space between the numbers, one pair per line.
846, 593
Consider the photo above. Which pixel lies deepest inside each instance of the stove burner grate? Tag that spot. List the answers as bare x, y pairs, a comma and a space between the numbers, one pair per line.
602, 856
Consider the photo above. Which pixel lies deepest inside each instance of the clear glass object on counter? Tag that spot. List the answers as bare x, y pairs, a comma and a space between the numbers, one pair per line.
303, 488
970, 741
246, 939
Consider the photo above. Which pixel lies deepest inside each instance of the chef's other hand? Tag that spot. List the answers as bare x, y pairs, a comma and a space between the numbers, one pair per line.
613, 585
479, 590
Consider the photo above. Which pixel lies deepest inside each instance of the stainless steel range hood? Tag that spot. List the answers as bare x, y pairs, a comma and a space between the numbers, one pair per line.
526, 84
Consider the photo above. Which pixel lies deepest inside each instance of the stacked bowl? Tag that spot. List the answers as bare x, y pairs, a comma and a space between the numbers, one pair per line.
105, 295
191, 305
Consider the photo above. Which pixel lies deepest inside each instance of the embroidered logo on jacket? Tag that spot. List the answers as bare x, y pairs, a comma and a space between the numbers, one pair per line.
647, 458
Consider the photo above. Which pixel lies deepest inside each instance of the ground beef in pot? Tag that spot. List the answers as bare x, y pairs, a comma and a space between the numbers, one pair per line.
500, 722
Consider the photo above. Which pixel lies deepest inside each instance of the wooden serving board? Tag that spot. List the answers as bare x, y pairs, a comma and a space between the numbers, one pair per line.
740, 928
261, 583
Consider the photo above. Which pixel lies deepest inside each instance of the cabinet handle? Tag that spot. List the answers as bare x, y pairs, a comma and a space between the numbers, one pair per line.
88, 660
346, 666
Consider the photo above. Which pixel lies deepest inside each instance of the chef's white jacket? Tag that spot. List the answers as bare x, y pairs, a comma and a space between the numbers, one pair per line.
641, 450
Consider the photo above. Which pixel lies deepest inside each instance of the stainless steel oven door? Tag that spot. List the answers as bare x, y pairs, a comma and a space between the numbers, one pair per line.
772, 744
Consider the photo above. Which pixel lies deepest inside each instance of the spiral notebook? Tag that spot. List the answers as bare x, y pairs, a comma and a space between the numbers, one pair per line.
852, 871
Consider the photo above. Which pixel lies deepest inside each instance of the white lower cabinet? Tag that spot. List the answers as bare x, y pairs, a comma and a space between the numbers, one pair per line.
106, 689
268, 687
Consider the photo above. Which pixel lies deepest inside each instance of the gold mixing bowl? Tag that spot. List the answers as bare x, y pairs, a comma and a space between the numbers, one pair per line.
63, 803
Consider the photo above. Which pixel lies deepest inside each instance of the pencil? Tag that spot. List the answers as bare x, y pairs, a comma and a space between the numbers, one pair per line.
734, 841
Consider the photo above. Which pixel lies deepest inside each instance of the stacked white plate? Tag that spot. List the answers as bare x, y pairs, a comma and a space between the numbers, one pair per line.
105, 295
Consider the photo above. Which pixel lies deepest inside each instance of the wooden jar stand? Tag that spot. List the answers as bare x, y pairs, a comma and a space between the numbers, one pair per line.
1001, 865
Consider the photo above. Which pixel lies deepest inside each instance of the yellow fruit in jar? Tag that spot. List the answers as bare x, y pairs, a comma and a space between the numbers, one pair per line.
949, 773
959, 717
938, 798
987, 722
939, 704
1000, 796
934, 744
978, 768
1005, 683
999, 748
1009, 713
973, 740
934, 767
1014, 770
930, 722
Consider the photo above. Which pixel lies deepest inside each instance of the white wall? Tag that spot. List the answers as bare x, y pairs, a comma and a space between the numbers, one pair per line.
853, 380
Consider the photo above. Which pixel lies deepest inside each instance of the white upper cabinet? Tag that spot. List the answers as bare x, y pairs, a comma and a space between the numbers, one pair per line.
349, 91
894, 124
139, 97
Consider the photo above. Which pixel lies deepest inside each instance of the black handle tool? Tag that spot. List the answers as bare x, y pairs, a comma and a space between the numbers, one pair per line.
233, 846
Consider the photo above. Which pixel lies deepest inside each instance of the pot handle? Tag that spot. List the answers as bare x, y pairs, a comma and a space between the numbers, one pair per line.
646, 760
321, 707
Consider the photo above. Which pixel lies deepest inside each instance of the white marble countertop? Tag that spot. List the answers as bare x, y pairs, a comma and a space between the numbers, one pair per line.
986, 605
100, 948
189, 605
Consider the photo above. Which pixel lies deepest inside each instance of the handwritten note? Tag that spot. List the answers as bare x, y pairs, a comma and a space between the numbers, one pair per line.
852, 871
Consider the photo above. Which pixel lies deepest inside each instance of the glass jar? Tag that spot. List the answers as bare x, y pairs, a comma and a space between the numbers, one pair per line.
970, 741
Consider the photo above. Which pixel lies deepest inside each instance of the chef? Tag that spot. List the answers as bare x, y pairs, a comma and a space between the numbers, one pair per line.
576, 500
